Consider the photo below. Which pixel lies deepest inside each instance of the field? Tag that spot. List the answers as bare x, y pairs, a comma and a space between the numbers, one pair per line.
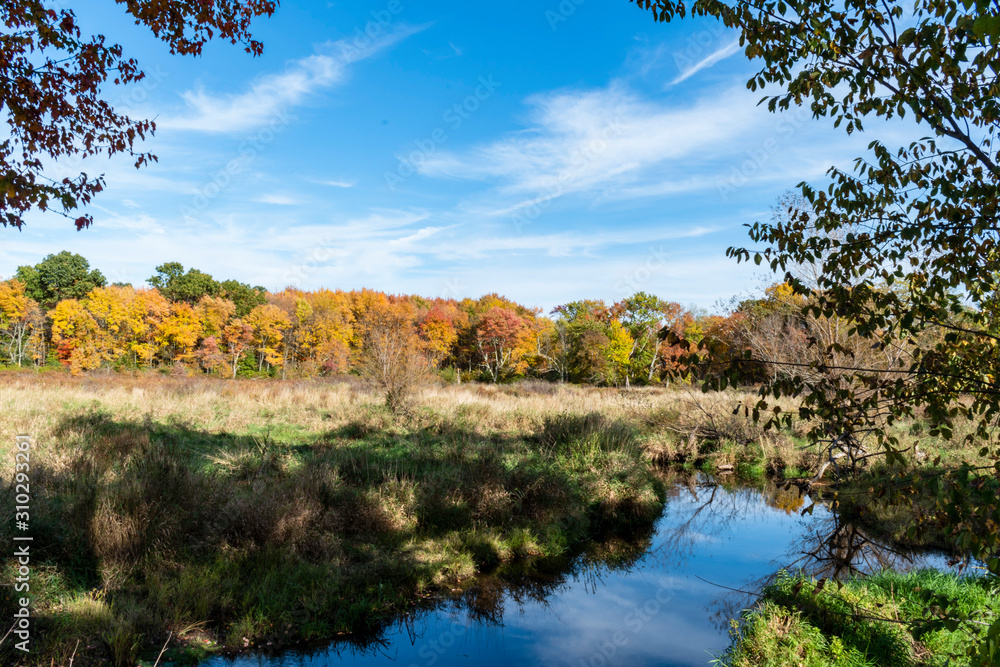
229, 514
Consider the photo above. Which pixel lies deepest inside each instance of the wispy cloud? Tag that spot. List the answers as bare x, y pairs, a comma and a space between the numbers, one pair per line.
278, 200
603, 142
708, 61
339, 184
270, 94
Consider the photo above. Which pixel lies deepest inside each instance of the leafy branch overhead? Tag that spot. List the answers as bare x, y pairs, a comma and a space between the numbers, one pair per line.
904, 246
53, 89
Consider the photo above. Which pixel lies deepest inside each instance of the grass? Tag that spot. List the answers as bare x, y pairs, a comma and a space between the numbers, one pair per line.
233, 514
877, 621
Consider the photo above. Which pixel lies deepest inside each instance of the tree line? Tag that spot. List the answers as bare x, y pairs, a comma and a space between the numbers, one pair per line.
61, 311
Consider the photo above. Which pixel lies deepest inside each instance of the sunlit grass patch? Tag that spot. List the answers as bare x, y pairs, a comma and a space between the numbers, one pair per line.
873, 621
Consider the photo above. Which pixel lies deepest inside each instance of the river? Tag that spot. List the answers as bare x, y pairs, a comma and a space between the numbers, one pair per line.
663, 598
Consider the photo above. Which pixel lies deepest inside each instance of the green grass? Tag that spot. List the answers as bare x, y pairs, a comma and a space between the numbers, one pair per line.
877, 621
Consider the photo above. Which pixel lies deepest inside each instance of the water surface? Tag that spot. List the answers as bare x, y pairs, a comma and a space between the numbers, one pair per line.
660, 599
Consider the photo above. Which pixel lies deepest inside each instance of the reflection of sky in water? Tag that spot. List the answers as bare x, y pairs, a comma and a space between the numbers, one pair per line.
662, 611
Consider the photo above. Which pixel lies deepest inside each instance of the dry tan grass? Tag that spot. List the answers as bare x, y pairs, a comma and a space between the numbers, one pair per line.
674, 419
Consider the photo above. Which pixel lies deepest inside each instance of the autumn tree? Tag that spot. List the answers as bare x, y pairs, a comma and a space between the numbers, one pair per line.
500, 338
178, 334
552, 348
151, 309
617, 352
324, 331
21, 323
118, 322
237, 340
77, 337
392, 353
644, 316
55, 81
269, 325
439, 327
214, 314
586, 325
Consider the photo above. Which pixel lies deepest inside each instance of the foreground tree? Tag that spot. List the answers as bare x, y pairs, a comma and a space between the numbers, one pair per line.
921, 262
54, 81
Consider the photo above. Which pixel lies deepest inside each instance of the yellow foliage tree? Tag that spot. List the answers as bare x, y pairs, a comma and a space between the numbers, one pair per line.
618, 353
323, 331
151, 309
77, 336
215, 313
20, 321
268, 324
179, 332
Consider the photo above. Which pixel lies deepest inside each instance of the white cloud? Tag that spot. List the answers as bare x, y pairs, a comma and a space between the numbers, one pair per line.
708, 61
339, 184
270, 95
277, 200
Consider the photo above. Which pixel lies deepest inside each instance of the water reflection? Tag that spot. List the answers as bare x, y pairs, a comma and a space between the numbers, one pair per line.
664, 597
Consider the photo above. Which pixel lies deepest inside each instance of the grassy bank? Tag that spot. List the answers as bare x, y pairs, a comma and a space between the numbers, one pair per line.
232, 514
878, 621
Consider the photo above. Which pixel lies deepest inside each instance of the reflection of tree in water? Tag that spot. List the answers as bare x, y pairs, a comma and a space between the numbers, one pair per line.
704, 508
484, 601
701, 509
828, 547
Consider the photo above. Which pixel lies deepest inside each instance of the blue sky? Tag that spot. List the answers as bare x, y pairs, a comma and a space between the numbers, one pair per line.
547, 151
